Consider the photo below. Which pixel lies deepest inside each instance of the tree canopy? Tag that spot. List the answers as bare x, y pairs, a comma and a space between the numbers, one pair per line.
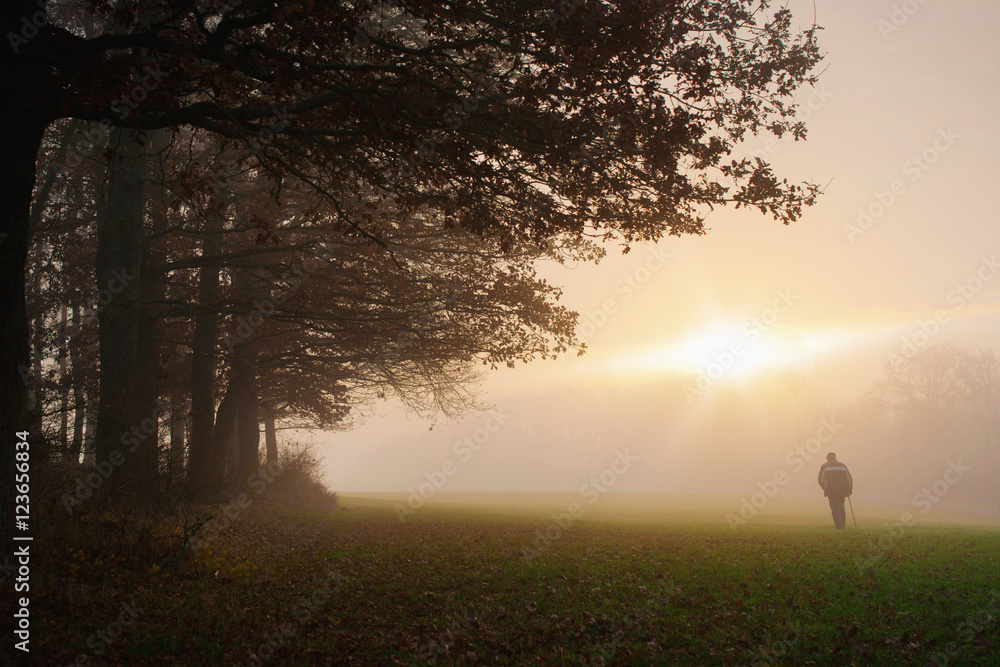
441, 139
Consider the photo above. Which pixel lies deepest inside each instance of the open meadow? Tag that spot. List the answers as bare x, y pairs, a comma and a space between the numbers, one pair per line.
491, 579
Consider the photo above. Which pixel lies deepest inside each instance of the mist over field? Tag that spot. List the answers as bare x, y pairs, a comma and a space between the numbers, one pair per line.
743, 444
896, 261
671, 512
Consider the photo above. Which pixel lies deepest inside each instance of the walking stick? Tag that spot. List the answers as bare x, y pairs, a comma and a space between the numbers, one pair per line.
852, 512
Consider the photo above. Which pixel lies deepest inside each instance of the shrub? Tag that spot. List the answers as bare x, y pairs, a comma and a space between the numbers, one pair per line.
88, 535
300, 482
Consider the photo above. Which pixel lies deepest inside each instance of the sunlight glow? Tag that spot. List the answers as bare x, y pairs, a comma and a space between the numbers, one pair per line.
726, 351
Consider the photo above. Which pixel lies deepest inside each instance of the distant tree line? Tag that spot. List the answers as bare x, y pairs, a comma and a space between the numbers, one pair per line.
944, 393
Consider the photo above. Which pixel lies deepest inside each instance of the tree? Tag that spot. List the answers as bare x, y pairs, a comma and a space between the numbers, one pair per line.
943, 388
516, 120
927, 383
315, 322
979, 372
942, 400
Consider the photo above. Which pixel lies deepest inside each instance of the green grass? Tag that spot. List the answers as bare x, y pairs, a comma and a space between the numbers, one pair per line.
452, 585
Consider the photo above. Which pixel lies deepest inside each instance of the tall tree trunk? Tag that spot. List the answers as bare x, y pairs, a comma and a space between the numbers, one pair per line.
248, 421
90, 434
147, 368
20, 138
270, 437
37, 354
223, 459
36, 302
178, 419
118, 267
200, 476
244, 376
148, 364
64, 385
79, 396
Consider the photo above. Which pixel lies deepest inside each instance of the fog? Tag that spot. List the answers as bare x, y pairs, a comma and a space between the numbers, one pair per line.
897, 260
766, 439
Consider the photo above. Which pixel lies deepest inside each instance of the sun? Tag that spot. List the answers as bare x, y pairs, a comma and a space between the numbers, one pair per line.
724, 351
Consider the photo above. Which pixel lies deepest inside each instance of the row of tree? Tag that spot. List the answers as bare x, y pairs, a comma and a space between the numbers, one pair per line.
283, 209
945, 394
245, 311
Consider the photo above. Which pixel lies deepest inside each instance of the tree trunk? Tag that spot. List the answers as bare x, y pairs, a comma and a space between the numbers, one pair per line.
223, 456
119, 261
37, 354
64, 386
270, 437
178, 419
147, 371
249, 422
79, 397
20, 138
90, 435
200, 477
36, 302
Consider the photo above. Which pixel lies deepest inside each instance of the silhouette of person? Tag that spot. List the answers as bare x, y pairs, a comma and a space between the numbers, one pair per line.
837, 485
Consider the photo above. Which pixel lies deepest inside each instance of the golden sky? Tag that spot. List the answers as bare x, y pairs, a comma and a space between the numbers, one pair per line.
902, 247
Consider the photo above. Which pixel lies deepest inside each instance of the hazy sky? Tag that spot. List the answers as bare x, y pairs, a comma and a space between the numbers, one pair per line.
903, 128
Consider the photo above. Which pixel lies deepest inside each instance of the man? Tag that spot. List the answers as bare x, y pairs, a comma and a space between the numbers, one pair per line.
837, 484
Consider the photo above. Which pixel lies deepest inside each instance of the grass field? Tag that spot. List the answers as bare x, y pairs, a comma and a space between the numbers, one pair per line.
478, 579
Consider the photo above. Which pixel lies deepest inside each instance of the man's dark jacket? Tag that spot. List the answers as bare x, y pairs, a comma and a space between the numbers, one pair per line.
835, 479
